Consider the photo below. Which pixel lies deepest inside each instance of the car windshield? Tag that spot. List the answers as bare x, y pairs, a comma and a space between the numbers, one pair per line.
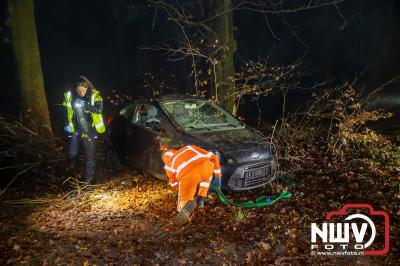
199, 114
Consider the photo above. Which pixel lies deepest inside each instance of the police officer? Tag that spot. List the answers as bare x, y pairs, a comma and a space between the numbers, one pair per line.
83, 120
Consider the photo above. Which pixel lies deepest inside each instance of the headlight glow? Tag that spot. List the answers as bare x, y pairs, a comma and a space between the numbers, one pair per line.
230, 161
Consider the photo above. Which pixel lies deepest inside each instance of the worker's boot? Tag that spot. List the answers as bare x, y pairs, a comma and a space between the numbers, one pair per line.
200, 202
186, 212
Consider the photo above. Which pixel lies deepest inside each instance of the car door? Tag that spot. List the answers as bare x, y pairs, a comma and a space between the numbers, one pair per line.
143, 137
117, 130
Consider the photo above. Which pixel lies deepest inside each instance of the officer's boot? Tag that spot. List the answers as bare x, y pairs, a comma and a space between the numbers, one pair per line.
90, 157
71, 164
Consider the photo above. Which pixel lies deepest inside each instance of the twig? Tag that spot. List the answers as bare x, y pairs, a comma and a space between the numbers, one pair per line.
16, 176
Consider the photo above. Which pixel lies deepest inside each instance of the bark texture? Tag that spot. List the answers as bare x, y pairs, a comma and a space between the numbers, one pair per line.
222, 35
27, 58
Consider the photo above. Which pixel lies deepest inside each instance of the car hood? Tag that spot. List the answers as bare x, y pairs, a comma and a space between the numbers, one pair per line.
238, 144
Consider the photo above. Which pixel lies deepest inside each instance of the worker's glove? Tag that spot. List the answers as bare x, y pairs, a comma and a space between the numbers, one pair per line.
216, 181
79, 103
68, 129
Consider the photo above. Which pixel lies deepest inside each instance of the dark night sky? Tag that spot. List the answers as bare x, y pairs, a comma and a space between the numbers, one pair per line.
98, 38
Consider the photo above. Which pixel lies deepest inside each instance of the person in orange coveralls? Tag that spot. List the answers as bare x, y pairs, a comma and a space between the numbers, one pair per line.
190, 170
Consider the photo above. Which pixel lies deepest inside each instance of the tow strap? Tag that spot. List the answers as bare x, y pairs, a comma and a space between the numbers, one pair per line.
262, 201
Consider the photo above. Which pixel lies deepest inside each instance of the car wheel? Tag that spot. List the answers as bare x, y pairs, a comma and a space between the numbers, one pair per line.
148, 174
112, 159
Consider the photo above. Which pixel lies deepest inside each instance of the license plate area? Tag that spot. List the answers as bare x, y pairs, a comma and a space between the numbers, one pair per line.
260, 171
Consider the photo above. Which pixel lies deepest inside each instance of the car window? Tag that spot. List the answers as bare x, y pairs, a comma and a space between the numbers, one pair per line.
147, 116
127, 110
199, 114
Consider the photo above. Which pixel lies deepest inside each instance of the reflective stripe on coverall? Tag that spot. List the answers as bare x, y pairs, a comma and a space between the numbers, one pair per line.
188, 168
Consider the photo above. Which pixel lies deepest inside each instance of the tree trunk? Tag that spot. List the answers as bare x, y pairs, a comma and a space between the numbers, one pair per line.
224, 89
27, 58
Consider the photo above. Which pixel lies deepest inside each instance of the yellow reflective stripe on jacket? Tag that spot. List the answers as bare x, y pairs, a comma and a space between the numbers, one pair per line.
70, 111
98, 125
92, 99
98, 122
95, 97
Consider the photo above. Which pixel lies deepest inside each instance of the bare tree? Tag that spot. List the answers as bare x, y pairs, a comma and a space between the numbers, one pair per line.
205, 37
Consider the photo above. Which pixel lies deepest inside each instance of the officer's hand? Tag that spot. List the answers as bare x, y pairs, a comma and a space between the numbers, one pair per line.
79, 103
88, 108
68, 129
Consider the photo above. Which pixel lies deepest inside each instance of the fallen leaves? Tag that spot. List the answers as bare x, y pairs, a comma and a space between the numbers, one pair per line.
16, 247
128, 220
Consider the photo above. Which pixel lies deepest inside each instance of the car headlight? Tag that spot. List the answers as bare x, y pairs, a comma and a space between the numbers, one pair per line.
230, 161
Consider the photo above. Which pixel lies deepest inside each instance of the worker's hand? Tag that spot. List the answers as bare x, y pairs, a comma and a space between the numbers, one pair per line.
162, 148
79, 103
68, 129
216, 181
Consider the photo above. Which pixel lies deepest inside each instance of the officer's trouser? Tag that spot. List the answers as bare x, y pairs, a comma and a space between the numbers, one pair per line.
89, 145
198, 178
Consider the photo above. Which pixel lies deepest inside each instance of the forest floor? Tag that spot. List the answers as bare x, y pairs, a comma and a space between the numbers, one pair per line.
128, 218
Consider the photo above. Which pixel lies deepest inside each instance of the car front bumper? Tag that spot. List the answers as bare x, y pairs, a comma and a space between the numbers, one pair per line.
248, 176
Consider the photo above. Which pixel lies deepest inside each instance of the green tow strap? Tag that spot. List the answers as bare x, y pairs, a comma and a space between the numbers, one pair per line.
262, 201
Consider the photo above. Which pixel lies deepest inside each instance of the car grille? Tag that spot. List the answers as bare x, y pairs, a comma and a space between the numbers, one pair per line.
251, 176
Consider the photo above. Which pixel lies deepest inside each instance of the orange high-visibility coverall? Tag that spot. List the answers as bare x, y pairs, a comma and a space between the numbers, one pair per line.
188, 168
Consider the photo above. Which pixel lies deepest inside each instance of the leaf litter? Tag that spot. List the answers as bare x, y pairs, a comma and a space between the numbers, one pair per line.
128, 219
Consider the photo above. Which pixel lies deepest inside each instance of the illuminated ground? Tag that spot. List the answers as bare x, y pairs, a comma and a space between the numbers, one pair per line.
128, 221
